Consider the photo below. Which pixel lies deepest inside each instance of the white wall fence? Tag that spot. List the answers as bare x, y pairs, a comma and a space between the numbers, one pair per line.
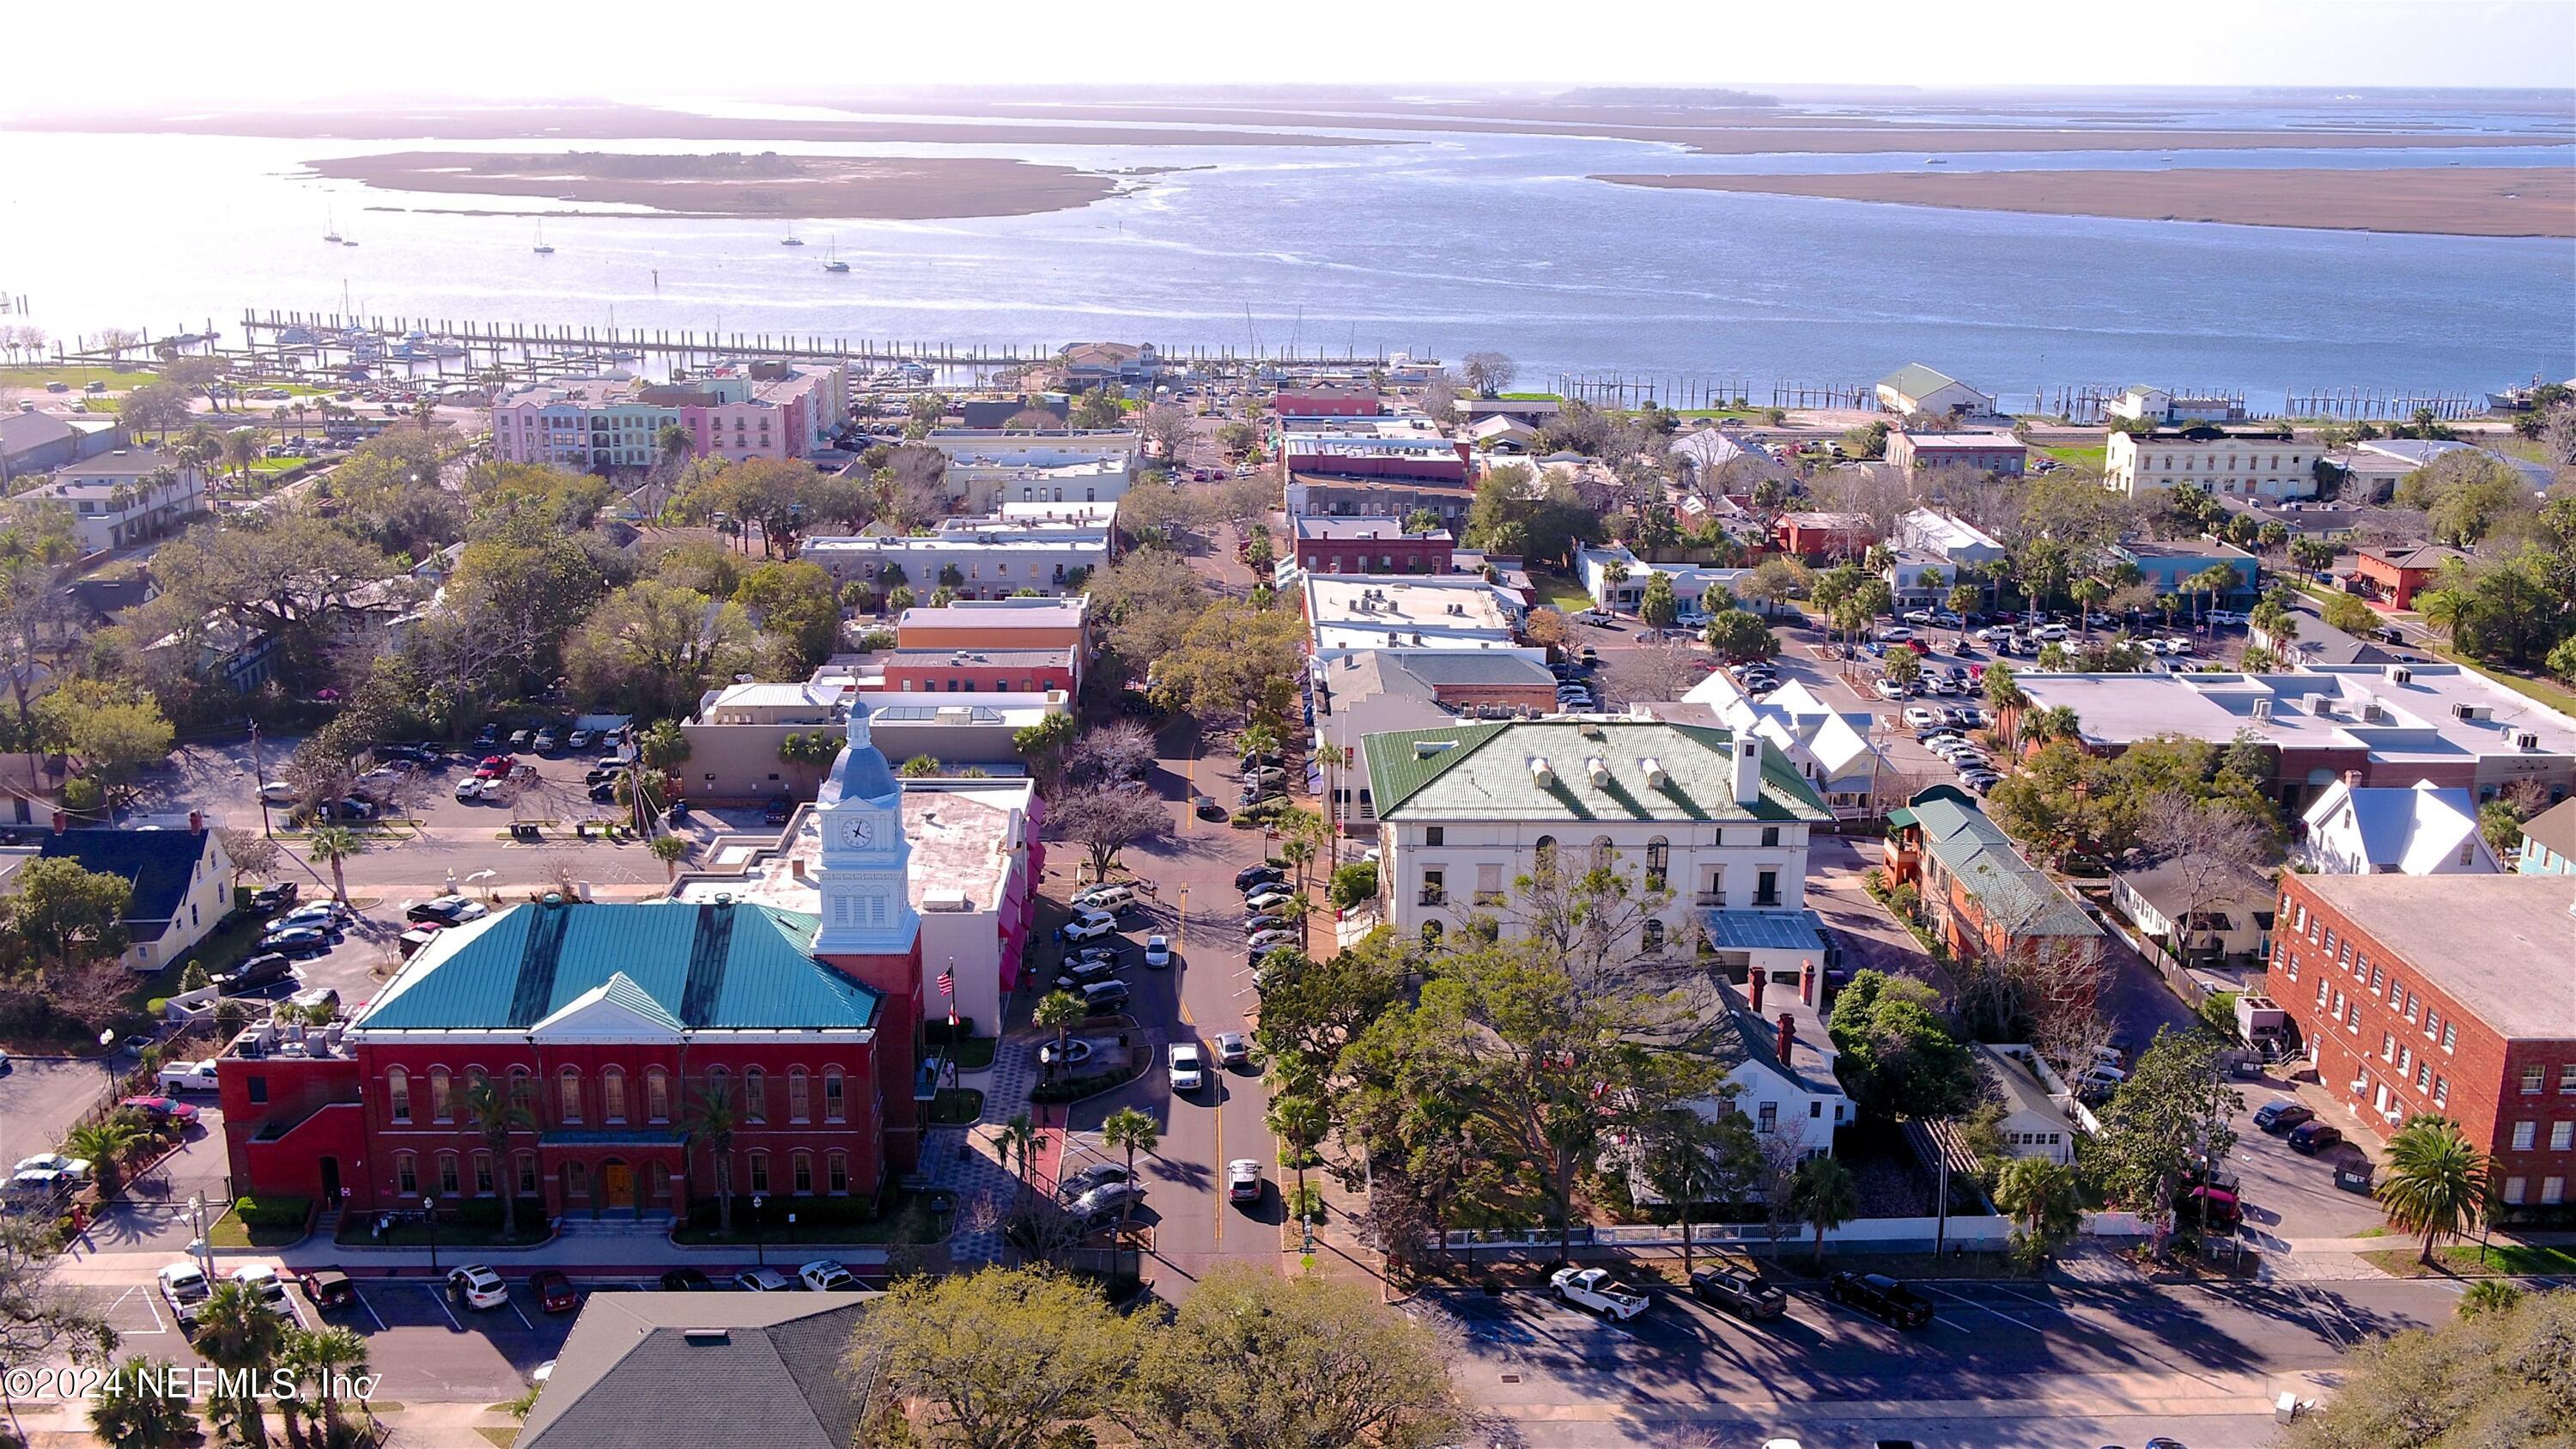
1867, 1235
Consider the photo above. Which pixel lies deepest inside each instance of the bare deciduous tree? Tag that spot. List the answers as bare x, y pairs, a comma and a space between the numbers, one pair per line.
2208, 849
1488, 372
1167, 428
1110, 754
1105, 821
1659, 671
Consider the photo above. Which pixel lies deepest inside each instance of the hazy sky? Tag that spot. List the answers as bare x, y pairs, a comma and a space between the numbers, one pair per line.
647, 50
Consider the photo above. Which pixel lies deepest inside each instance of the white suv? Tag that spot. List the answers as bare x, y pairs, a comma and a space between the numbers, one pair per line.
1189, 1068
478, 1286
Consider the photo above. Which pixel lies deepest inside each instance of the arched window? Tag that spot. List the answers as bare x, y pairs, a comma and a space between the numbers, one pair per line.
755, 1095
476, 1076
835, 1095
1654, 936
398, 1095
836, 1172
1601, 852
449, 1184
406, 1174
1545, 850
441, 1109
1431, 933
801, 1168
612, 1095
657, 1094
568, 1093
798, 1107
1659, 859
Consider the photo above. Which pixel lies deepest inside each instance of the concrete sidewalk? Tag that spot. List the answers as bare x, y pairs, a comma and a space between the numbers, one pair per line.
624, 1255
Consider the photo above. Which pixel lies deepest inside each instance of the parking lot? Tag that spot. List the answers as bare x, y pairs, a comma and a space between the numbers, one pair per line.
429, 1349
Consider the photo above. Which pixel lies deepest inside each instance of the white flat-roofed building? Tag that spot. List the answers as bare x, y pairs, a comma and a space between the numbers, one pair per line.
982, 487
1698, 587
1955, 540
1035, 447
993, 557
115, 500
1986, 452
1416, 611
1915, 388
2228, 462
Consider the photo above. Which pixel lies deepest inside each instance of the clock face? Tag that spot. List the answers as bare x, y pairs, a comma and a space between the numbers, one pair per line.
856, 832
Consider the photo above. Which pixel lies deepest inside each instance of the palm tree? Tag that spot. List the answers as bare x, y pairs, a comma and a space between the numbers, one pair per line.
2057, 722
1686, 1164
2437, 1183
1299, 852
1135, 1132
1258, 737
1964, 599
2043, 1196
712, 1120
2489, 1295
2004, 696
2088, 594
242, 448
335, 843
105, 1143
670, 850
2210, 582
496, 1112
2445, 610
1825, 1196
236, 1332
129, 1411
1059, 1012
1300, 1120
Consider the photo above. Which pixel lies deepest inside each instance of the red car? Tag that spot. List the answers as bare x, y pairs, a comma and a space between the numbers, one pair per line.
494, 767
162, 1107
555, 1292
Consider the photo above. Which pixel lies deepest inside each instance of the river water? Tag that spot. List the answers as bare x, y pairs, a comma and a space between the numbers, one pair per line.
1429, 242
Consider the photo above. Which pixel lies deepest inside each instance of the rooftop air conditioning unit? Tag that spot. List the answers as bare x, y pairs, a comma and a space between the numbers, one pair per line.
2526, 740
2400, 674
2263, 709
2463, 711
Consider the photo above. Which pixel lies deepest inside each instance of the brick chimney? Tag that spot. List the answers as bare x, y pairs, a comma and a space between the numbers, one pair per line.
1788, 1034
62, 822
2352, 779
1807, 982
196, 822
1758, 974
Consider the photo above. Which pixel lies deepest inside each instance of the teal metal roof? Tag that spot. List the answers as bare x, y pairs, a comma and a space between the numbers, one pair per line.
675, 964
1482, 772
2016, 894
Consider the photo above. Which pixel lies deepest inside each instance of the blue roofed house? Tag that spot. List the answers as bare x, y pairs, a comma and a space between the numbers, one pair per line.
2549, 841
2169, 568
182, 882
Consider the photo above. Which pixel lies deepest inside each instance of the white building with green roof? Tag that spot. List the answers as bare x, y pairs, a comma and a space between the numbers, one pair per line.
1718, 819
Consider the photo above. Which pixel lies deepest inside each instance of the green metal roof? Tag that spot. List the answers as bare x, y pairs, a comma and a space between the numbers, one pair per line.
2017, 894
1482, 772
674, 964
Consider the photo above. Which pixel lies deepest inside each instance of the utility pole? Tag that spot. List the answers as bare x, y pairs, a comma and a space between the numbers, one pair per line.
259, 778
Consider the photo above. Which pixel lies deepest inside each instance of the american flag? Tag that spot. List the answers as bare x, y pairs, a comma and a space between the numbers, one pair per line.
947, 984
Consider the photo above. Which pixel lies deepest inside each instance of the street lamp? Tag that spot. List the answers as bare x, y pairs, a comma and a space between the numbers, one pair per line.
759, 1231
429, 1209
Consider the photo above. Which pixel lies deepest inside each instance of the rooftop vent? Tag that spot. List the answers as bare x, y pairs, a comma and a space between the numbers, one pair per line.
1656, 779
1590, 729
1598, 772
706, 1336
1425, 749
1540, 774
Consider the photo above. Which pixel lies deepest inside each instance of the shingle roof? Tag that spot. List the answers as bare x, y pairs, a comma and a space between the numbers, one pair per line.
705, 1368
1462, 772
675, 964
2014, 893
159, 863
2554, 827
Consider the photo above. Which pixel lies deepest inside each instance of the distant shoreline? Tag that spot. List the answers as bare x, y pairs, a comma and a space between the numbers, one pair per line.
766, 186
2449, 201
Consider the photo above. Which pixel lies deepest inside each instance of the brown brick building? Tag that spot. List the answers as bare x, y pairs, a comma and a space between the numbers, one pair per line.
2454, 995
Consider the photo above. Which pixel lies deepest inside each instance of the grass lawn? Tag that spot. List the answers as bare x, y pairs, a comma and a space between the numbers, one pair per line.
230, 1231
278, 465
499, 1438
2522, 684
2081, 457
1558, 591
222, 950
1530, 397
1747, 414
76, 377
906, 1218
2468, 1260
956, 1107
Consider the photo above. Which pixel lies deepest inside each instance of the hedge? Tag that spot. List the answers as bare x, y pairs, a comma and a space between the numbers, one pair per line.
273, 1212
936, 1032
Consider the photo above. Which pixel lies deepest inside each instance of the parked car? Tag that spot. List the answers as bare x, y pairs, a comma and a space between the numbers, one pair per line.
298, 942
777, 811
2310, 1138
577, 740
1918, 716
1264, 897
686, 1280
1083, 971
262, 1281
277, 792
1090, 926
2281, 1115
1188, 1067
1243, 1180
762, 1280
473, 787
1741, 1292
56, 1166
271, 897
188, 1076
1107, 1200
1595, 1290
2217, 1206
327, 1287
1107, 898
1887, 689
555, 1293
1881, 1297
448, 910
477, 1286
263, 970
185, 1289
1099, 1174
161, 1109
1102, 996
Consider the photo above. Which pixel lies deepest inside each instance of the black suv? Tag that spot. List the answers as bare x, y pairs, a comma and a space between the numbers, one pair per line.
1253, 875
255, 973
1881, 1297
1743, 1294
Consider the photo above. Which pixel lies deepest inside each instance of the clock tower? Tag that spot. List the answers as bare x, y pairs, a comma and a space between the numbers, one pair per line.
866, 906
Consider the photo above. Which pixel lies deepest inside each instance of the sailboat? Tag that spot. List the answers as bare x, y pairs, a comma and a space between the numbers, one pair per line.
791, 240
836, 264
330, 227
542, 249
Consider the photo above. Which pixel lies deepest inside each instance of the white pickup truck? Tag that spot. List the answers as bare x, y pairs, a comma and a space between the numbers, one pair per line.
188, 1077
1596, 1290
